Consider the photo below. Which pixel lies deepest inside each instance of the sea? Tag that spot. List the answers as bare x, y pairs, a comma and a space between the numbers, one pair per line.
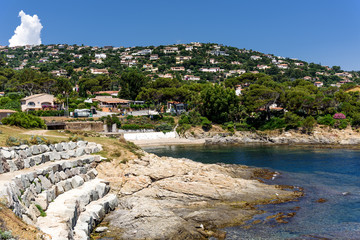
329, 174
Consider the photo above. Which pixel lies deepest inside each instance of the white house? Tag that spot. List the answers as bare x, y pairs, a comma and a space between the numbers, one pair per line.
255, 57
191, 78
37, 102
100, 55
318, 84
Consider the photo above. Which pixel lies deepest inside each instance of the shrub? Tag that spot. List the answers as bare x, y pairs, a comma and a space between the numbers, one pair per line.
308, 124
243, 126
206, 124
326, 120
292, 120
341, 123
339, 116
355, 121
24, 120
163, 128
5, 235
136, 126
13, 141
183, 128
35, 140
273, 123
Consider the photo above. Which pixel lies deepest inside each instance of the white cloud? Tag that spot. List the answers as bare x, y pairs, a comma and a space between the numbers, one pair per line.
28, 32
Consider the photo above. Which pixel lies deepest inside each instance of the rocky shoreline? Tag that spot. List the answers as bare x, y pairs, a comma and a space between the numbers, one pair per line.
320, 136
169, 198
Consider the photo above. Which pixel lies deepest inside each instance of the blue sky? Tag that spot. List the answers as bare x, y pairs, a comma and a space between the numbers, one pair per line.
319, 31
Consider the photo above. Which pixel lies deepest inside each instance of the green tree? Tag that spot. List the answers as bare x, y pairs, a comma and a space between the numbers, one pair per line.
131, 82
219, 104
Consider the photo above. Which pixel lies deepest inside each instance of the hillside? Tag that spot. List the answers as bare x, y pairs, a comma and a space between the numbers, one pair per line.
194, 61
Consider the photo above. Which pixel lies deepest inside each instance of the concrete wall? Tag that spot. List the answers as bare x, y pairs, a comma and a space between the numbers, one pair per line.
85, 126
149, 135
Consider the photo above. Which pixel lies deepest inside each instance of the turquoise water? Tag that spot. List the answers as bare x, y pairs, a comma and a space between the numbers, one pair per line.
332, 174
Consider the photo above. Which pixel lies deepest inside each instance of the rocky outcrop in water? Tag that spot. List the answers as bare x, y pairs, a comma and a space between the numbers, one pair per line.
168, 198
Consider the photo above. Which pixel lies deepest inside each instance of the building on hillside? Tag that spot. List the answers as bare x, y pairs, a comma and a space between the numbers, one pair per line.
6, 113
181, 59
255, 57
262, 67
100, 55
110, 104
143, 52
168, 75
171, 50
283, 66
176, 107
177, 69
154, 57
37, 102
318, 84
99, 71
238, 90
191, 78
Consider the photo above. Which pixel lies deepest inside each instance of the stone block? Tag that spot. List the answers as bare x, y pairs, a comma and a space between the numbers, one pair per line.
6, 154
58, 147
76, 181
81, 144
72, 145
35, 149
45, 183
64, 155
65, 146
12, 165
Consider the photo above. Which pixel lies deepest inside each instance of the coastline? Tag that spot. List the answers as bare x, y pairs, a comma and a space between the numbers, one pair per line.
177, 198
321, 137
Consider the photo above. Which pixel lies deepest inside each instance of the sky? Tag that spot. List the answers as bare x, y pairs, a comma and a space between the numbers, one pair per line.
320, 31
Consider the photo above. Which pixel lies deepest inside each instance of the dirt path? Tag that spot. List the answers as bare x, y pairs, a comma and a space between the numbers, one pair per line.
45, 133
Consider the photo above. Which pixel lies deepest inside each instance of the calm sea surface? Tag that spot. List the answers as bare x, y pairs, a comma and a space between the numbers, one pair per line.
332, 174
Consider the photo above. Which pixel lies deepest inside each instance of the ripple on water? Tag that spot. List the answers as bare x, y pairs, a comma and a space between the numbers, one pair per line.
331, 174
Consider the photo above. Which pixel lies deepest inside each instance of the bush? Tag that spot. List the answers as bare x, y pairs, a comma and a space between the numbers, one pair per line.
13, 141
136, 126
228, 126
292, 120
24, 120
35, 140
341, 123
326, 120
47, 113
183, 128
355, 121
243, 126
308, 124
206, 124
339, 116
273, 123
163, 128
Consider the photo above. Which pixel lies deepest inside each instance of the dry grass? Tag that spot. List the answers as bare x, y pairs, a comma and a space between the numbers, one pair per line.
18, 228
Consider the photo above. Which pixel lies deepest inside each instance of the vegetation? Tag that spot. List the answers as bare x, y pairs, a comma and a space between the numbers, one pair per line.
272, 97
24, 120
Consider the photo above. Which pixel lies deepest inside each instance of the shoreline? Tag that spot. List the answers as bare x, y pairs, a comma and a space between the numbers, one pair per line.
208, 141
178, 198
